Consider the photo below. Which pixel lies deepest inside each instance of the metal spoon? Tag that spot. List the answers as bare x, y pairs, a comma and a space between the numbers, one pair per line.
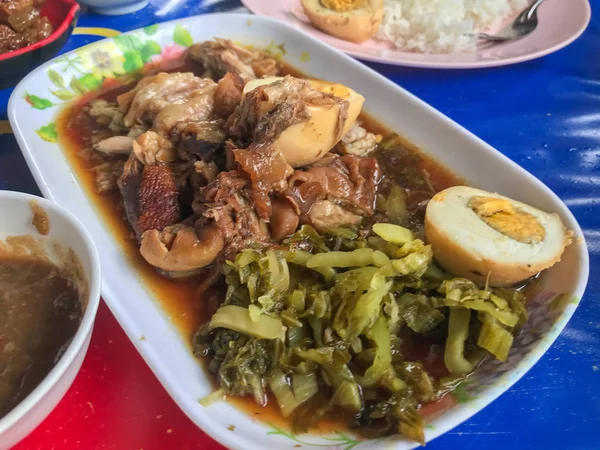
521, 27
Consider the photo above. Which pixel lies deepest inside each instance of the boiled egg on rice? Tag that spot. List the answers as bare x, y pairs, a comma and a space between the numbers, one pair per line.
306, 142
351, 20
492, 239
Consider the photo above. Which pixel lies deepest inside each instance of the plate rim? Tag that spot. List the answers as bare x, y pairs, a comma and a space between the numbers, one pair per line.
453, 65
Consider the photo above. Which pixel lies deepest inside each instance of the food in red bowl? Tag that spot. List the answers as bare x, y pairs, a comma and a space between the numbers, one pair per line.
32, 32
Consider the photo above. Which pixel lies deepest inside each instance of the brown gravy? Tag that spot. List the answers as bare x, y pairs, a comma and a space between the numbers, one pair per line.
40, 312
40, 218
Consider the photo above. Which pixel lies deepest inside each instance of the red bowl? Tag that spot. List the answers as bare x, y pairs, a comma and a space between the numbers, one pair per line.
63, 15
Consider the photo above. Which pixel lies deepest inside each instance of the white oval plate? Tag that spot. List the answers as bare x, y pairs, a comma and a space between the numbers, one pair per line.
560, 23
32, 110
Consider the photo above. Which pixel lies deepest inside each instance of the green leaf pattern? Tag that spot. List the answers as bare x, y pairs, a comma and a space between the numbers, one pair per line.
72, 78
48, 133
182, 36
151, 30
37, 102
133, 50
150, 49
133, 62
89, 82
340, 441
128, 42
77, 86
64, 95
56, 78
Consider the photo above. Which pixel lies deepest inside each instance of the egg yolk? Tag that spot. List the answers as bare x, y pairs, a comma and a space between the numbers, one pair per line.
503, 217
337, 90
342, 5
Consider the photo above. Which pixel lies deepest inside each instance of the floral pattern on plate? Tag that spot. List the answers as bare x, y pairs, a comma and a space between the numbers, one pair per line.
93, 66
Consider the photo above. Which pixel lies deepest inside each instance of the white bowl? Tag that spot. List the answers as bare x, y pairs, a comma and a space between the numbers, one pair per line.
66, 230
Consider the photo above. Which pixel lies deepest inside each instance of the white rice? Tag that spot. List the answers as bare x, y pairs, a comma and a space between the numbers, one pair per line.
441, 26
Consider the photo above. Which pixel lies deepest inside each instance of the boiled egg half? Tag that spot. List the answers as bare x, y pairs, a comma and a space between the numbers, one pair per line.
306, 142
492, 239
351, 20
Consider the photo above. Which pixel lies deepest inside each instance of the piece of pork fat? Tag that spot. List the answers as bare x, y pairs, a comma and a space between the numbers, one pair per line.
189, 124
243, 201
284, 219
181, 250
107, 114
107, 175
342, 191
150, 196
197, 107
207, 170
185, 120
153, 93
153, 148
325, 215
228, 94
115, 145
228, 203
220, 56
120, 145
357, 141
268, 171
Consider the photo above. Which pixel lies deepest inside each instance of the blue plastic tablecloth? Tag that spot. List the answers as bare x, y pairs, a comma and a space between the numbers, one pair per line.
543, 114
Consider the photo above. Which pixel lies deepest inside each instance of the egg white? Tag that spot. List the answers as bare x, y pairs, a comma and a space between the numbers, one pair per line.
468, 247
306, 142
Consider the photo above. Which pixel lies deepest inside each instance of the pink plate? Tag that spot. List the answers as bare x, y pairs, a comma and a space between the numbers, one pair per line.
560, 23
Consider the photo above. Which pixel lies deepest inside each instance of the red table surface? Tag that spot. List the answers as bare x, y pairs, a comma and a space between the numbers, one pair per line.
116, 402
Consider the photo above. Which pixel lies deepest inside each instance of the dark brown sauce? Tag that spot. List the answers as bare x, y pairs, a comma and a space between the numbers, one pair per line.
40, 312
179, 298
271, 415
